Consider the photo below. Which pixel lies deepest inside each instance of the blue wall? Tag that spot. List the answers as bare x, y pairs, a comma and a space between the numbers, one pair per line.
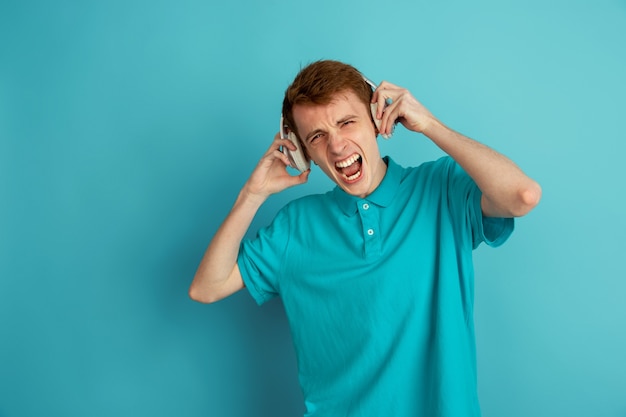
127, 128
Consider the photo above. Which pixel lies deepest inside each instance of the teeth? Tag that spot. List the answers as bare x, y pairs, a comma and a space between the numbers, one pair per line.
347, 162
353, 177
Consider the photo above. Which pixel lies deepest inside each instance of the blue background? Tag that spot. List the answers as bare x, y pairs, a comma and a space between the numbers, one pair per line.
128, 127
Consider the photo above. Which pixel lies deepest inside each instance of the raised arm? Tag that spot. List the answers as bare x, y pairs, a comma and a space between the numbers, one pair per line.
507, 191
218, 275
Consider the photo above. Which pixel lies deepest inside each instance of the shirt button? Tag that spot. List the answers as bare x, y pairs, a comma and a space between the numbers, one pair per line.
366, 206
370, 232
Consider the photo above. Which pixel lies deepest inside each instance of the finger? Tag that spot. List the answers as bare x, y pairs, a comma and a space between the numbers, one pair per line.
286, 143
300, 179
304, 176
279, 138
384, 104
286, 180
277, 154
375, 95
379, 98
390, 116
278, 143
384, 99
387, 85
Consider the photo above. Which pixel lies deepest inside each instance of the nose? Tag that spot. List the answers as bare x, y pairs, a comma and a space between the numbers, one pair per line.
336, 142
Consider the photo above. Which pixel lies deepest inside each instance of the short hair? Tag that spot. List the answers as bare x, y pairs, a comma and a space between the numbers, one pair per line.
319, 82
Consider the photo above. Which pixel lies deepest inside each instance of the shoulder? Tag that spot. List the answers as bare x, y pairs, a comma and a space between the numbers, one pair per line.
428, 174
439, 166
309, 205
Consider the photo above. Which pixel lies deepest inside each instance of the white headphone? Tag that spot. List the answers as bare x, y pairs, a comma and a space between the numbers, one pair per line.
298, 158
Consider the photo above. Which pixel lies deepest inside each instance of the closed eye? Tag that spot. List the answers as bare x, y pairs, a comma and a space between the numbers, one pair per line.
347, 121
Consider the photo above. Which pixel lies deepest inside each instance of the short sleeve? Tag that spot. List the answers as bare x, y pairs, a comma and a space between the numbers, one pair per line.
465, 198
259, 259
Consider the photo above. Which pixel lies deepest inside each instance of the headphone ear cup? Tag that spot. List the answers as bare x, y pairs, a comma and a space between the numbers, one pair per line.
374, 110
377, 122
297, 158
374, 107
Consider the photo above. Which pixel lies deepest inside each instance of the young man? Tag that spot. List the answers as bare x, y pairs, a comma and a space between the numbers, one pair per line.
376, 275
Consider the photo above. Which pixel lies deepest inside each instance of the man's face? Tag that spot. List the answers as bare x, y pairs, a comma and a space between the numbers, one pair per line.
340, 137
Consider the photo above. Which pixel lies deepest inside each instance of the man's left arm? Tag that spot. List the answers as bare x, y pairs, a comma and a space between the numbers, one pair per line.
506, 190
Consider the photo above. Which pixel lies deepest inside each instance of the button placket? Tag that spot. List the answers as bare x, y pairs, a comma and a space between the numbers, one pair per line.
370, 228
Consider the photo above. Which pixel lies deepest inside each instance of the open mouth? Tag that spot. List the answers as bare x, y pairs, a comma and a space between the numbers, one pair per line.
350, 168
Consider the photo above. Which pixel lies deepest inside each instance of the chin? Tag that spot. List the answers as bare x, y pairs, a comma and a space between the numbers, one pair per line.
358, 188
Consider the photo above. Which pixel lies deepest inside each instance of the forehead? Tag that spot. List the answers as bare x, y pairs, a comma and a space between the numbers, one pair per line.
345, 103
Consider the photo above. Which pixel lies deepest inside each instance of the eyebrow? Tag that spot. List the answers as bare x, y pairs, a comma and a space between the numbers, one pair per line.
340, 121
312, 133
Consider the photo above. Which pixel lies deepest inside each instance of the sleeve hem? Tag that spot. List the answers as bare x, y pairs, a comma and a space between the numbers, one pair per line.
494, 231
256, 294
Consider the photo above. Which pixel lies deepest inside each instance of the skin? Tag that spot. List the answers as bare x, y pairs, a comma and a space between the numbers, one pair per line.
334, 133
338, 132
507, 191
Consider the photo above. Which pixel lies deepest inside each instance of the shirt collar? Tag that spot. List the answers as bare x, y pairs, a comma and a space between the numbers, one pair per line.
382, 195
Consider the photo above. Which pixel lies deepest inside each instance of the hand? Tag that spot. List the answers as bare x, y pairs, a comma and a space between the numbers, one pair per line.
270, 175
404, 108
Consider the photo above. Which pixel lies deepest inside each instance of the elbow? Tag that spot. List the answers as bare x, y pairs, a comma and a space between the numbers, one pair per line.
201, 296
528, 198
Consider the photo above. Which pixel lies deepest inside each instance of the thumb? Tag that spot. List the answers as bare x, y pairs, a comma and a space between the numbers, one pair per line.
294, 180
302, 178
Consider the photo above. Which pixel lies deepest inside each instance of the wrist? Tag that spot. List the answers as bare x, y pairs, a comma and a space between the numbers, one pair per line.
250, 198
433, 128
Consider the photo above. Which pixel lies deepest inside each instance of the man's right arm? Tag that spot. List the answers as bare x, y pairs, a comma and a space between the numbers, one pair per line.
218, 275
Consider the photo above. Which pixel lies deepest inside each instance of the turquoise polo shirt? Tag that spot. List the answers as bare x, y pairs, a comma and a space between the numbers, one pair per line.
378, 292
